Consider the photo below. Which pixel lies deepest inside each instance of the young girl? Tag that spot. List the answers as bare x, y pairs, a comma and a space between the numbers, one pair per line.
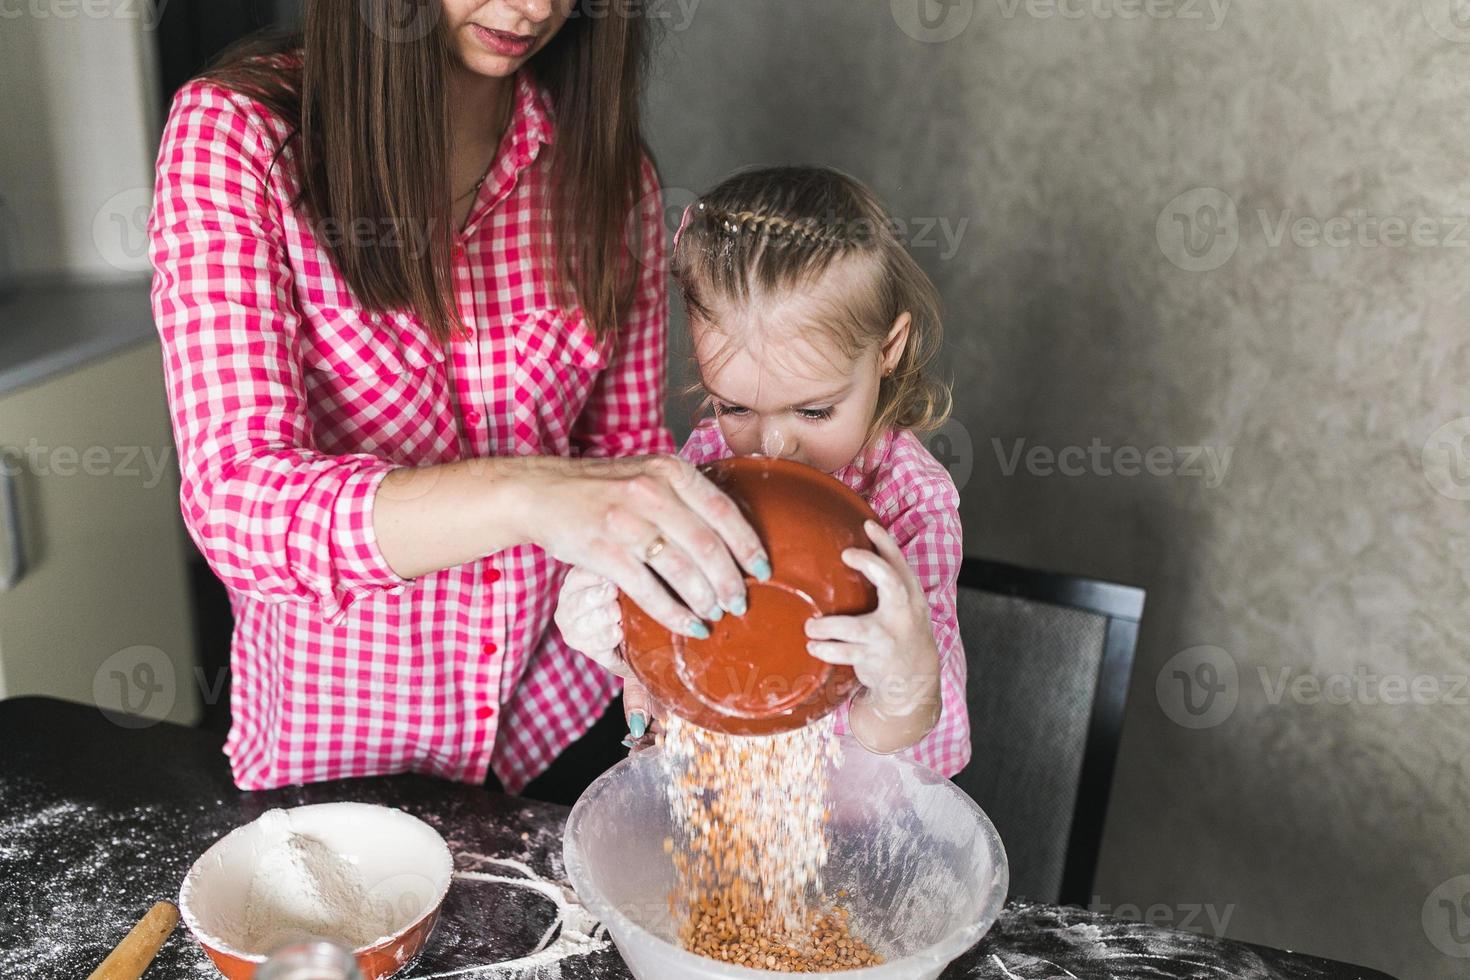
813, 328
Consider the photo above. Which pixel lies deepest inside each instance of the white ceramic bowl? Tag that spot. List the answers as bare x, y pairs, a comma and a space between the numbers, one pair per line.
924, 867
402, 863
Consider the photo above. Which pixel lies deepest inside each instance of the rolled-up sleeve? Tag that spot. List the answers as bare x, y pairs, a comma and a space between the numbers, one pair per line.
624, 415
275, 518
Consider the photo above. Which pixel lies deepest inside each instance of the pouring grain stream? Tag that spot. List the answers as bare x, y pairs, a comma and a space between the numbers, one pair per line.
751, 816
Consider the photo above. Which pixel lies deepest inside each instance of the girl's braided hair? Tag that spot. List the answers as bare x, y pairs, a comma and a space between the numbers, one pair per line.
770, 231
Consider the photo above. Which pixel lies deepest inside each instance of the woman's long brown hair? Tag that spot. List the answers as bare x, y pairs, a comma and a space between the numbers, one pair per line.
366, 95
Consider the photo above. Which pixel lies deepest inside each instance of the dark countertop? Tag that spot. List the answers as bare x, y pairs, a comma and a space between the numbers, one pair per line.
49, 329
98, 820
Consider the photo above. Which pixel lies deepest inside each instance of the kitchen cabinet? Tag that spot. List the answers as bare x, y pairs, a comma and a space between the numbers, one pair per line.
94, 596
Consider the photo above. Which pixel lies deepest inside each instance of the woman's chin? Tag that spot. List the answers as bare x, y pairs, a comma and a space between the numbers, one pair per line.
487, 65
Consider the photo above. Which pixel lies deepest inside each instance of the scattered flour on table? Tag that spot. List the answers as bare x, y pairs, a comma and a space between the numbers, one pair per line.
76, 876
575, 931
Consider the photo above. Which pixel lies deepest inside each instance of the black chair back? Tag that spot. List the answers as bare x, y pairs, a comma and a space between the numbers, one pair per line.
1049, 659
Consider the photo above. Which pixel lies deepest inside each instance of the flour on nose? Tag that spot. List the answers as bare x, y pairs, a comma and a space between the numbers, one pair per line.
773, 444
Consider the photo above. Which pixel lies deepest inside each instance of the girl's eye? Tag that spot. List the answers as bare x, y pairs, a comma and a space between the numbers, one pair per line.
815, 414
729, 409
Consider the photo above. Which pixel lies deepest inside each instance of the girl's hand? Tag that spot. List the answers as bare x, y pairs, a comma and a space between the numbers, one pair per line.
627, 519
590, 620
891, 649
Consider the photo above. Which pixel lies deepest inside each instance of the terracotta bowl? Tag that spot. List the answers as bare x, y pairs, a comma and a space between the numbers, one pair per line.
753, 676
404, 865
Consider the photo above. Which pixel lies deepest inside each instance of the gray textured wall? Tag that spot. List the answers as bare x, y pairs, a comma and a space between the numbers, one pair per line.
1308, 327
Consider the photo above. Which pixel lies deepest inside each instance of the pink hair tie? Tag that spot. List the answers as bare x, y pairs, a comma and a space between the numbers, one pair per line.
684, 222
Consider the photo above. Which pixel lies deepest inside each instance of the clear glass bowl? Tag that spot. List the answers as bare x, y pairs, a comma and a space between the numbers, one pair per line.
922, 864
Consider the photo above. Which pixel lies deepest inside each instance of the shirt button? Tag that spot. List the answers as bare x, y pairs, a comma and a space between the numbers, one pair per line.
492, 575
490, 648
485, 712
472, 417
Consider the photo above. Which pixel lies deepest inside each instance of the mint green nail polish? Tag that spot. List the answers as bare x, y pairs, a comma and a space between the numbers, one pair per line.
628, 743
715, 615
762, 569
698, 630
738, 606
637, 724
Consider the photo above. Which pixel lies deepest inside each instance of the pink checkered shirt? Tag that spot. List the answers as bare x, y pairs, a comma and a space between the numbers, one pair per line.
916, 500
290, 405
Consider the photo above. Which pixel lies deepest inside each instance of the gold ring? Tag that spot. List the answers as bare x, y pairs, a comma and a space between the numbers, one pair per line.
654, 548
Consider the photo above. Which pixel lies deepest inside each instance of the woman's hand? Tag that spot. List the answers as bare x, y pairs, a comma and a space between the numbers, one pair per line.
627, 519
891, 650
642, 713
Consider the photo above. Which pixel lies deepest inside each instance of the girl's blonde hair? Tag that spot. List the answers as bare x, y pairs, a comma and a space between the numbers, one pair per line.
772, 230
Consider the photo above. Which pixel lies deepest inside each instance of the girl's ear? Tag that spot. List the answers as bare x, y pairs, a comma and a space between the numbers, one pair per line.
898, 339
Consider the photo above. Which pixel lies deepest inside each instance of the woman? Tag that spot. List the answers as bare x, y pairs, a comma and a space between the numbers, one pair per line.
410, 282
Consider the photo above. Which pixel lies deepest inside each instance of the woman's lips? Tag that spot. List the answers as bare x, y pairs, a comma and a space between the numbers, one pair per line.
505, 43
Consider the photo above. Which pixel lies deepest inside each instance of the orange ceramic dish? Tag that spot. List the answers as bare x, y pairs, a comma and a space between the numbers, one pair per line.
376, 962
404, 862
753, 676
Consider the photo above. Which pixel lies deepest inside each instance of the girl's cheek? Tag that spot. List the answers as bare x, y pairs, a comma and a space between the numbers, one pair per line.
832, 446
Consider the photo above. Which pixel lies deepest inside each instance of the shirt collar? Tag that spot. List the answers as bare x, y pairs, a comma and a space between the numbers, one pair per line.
531, 115
531, 127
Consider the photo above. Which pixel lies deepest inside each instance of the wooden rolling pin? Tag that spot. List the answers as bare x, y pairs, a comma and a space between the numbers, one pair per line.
136, 951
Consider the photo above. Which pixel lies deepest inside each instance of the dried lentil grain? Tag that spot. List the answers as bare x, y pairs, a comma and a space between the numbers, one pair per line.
750, 815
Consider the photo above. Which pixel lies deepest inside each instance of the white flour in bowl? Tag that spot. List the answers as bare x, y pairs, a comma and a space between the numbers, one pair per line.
302, 887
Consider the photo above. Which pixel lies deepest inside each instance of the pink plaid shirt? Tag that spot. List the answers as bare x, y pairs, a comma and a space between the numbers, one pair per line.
290, 405
916, 500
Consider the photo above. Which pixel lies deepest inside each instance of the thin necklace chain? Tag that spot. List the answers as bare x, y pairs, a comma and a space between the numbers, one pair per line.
505, 123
